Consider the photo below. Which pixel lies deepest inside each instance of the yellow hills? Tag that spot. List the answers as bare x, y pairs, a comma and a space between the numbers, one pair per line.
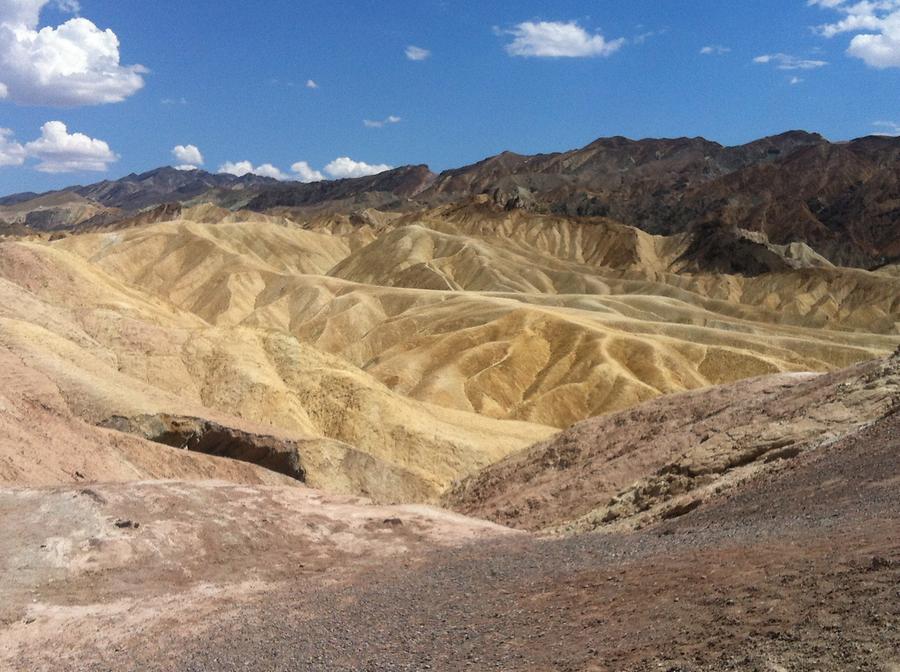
404, 352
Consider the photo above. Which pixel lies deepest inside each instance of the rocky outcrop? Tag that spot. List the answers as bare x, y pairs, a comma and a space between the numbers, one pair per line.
211, 438
663, 458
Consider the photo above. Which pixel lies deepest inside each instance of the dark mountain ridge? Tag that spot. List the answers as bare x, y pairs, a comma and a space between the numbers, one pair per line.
389, 188
165, 184
843, 199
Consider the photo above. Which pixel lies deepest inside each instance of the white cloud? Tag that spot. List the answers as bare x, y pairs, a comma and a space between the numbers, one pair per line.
59, 151
311, 84
20, 11
415, 53
558, 39
344, 166
714, 50
877, 23
11, 152
75, 63
305, 173
890, 128
788, 62
301, 171
268, 170
188, 156
69, 6
793, 81
241, 168
381, 123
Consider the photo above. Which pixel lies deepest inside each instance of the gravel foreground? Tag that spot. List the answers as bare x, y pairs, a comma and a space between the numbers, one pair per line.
798, 570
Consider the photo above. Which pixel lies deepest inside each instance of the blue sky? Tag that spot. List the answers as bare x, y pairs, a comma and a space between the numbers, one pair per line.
230, 79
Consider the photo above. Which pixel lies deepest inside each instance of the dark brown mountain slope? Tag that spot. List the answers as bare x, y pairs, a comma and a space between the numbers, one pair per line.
629, 180
842, 199
164, 185
391, 189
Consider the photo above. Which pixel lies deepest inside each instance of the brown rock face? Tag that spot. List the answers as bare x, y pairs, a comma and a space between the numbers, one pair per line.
211, 438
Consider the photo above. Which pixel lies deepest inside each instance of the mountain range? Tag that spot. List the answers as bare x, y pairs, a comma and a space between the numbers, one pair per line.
840, 199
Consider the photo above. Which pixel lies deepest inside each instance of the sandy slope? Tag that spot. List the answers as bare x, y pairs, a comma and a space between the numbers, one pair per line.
539, 319
399, 355
113, 350
41, 442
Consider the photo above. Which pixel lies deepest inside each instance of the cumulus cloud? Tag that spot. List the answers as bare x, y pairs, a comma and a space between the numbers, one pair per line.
188, 156
11, 152
301, 171
415, 53
344, 166
558, 39
788, 62
305, 173
877, 24
381, 123
241, 168
59, 151
75, 63
714, 50
268, 170
311, 84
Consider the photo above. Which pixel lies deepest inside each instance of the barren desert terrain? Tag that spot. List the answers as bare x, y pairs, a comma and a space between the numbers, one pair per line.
460, 421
